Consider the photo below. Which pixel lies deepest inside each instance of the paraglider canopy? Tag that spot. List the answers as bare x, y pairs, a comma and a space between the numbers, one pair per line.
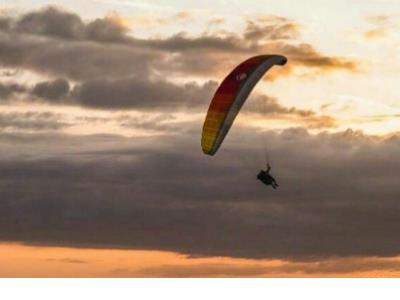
230, 97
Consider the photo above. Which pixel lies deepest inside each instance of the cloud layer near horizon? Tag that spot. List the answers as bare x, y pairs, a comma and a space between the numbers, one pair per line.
338, 195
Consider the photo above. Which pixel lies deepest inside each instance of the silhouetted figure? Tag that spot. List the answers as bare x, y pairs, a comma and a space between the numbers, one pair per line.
266, 178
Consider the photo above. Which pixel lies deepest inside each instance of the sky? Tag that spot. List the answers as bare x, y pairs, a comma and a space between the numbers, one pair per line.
101, 109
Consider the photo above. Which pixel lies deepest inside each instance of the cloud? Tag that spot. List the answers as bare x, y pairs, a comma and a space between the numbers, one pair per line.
375, 33
263, 106
160, 123
325, 268
98, 64
157, 20
141, 94
378, 19
51, 22
67, 260
54, 22
216, 21
202, 270
109, 29
338, 194
31, 121
271, 28
305, 55
74, 60
5, 23
52, 90
381, 25
53, 41
133, 93
9, 89
151, 96
9, 73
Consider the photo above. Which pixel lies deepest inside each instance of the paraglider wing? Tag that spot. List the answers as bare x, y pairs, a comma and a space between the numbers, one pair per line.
230, 97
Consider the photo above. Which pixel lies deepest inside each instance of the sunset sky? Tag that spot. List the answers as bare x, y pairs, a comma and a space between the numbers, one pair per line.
101, 110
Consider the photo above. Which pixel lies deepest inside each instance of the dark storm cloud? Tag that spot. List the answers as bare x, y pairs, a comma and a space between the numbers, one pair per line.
338, 195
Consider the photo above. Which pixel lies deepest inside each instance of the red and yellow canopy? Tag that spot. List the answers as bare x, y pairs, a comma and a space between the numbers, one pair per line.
230, 97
